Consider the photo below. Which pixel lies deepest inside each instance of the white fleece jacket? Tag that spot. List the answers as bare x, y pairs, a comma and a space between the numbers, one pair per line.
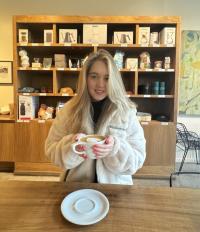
126, 158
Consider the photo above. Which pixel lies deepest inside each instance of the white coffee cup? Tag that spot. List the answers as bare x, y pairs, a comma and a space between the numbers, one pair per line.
88, 141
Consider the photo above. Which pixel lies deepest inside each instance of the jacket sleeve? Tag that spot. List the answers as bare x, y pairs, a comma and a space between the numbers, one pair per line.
129, 150
58, 144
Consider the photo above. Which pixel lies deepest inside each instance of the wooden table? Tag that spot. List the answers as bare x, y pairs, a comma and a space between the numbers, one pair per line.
35, 206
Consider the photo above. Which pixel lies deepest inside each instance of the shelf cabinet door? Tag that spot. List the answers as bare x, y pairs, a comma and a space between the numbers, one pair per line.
7, 142
160, 144
29, 141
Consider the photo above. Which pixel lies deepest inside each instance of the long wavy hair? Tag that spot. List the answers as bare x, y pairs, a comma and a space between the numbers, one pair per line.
80, 110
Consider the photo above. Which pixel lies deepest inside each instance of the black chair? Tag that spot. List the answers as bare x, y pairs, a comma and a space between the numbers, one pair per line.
186, 140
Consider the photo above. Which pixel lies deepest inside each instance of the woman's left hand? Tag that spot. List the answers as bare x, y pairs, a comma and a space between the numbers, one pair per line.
102, 150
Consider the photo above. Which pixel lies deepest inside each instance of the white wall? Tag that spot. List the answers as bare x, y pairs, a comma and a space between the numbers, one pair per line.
188, 10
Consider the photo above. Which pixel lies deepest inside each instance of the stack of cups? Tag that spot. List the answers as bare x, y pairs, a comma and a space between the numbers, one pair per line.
158, 88
155, 87
162, 88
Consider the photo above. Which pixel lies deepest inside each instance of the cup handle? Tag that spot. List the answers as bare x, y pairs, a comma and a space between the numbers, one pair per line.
74, 148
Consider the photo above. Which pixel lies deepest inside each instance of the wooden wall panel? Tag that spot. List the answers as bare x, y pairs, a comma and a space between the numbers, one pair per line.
24, 143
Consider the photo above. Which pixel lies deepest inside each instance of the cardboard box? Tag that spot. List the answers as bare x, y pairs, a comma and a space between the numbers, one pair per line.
67, 35
28, 106
60, 60
36, 65
95, 33
131, 63
123, 37
144, 36
168, 36
23, 36
154, 39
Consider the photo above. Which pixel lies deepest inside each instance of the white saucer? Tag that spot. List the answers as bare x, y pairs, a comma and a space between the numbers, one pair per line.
85, 207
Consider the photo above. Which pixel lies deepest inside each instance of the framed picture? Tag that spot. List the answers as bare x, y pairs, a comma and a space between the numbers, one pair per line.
144, 36
123, 37
48, 36
5, 72
23, 36
131, 63
189, 94
94, 33
67, 35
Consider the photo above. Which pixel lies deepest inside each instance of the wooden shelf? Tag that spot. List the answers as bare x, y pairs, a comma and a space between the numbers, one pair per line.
6, 118
37, 94
154, 172
79, 69
71, 95
156, 70
89, 45
153, 96
146, 123
35, 169
34, 69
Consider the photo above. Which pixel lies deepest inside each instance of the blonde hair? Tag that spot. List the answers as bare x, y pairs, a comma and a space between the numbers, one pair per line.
80, 105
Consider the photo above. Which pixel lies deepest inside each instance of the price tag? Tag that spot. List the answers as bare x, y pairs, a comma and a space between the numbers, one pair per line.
132, 70
124, 45
169, 70
46, 68
67, 44
22, 68
170, 45
95, 45
148, 69
60, 69
164, 123
147, 95
19, 120
23, 44
143, 45
161, 95
65, 94
73, 69
47, 44
26, 94
35, 44
43, 94
26, 121
41, 121
35, 68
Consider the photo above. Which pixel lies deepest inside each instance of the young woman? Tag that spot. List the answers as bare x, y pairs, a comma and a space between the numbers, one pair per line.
100, 107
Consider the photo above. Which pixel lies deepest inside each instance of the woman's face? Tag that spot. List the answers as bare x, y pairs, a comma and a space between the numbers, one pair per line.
97, 81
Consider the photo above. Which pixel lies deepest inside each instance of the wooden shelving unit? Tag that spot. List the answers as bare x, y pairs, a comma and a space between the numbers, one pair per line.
160, 136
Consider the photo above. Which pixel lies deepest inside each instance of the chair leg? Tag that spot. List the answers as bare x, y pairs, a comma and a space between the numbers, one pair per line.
196, 153
170, 180
183, 159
